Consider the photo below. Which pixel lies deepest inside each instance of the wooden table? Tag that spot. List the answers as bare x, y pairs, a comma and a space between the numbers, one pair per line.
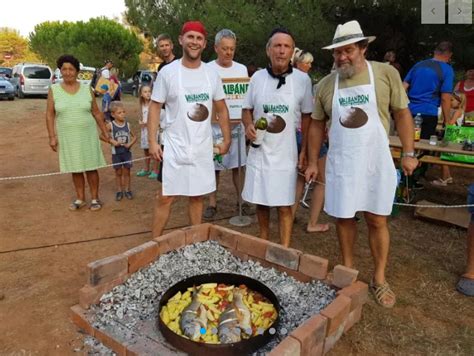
424, 145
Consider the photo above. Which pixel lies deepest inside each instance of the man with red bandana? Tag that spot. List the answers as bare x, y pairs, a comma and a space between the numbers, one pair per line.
190, 90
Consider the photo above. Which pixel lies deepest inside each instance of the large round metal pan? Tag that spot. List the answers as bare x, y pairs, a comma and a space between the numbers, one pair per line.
243, 347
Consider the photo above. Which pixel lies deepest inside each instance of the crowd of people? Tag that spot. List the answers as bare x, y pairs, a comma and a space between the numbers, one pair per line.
185, 125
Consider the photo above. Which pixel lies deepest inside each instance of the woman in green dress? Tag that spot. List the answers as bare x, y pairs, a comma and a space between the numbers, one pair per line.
72, 118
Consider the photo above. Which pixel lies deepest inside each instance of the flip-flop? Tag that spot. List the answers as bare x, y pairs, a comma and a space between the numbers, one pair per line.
325, 229
95, 205
77, 204
380, 291
466, 286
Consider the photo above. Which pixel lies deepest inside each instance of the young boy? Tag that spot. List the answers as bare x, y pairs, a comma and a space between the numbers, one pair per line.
122, 140
106, 101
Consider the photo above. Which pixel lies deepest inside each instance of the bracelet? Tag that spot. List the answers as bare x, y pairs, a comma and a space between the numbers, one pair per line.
408, 154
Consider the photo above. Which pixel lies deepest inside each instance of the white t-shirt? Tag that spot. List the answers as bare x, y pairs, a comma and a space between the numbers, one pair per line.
236, 70
166, 87
105, 73
301, 89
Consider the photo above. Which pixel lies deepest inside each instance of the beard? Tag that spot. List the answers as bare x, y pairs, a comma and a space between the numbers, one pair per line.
193, 55
346, 71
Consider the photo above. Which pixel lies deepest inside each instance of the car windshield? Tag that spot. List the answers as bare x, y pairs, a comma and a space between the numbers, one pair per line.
37, 73
5, 71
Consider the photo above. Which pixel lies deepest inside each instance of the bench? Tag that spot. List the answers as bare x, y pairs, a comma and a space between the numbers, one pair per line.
434, 160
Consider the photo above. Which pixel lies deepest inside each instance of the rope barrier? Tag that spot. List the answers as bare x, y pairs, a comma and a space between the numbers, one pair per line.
299, 173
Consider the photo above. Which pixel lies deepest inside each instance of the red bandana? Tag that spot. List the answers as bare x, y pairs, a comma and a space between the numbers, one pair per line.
194, 26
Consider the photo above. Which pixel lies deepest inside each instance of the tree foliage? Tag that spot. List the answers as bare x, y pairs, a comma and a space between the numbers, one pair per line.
91, 42
14, 48
397, 25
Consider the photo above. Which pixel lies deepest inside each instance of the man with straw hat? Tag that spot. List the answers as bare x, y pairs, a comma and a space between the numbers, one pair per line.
355, 100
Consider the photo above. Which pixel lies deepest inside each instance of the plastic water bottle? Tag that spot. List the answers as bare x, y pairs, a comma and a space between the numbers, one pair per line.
418, 120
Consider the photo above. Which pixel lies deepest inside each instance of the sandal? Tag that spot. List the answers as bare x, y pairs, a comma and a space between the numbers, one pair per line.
440, 182
143, 173
77, 204
380, 292
95, 205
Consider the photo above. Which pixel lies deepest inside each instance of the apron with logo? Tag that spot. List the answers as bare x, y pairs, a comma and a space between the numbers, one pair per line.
360, 174
270, 177
188, 167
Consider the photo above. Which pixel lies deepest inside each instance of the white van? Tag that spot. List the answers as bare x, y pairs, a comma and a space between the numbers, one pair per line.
84, 76
31, 79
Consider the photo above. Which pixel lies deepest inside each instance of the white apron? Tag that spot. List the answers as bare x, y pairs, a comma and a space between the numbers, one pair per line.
188, 167
360, 174
270, 177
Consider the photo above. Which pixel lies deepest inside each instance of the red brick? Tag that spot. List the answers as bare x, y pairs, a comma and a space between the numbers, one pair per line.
288, 347
171, 241
344, 276
196, 233
311, 334
225, 237
80, 318
110, 342
141, 255
107, 269
331, 340
353, 318
91, 294
337, 312
283, 256
314, 266
253, 246
358, 292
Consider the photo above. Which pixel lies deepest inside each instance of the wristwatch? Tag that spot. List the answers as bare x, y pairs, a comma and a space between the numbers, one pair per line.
408, 154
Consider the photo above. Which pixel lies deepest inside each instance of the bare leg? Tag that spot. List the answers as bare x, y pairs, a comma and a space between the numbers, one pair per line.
93, 180
263, 217
156, 166
235, 180
470, 252
79, 185
126, 179
213, 195
161, 213
286, 224
299, 194
347, 234
118, 179
147, 161
445, 173
195, 209
379, 241
317, 200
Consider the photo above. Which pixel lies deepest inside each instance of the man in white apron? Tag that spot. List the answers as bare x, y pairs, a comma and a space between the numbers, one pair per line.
190, 89
360, 174
224, 45
285, 95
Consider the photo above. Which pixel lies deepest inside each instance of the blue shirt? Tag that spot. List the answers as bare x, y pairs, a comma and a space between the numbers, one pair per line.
428, 79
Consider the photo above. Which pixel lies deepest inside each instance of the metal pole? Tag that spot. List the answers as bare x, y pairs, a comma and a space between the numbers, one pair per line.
239, 220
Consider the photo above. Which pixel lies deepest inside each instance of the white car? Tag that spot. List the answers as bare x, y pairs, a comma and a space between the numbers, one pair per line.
31, 79
84, 76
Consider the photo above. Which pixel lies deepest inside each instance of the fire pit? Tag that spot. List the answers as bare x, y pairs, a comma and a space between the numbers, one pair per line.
243, 347
126, 293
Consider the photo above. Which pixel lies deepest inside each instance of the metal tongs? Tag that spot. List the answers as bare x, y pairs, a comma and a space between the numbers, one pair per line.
303, 202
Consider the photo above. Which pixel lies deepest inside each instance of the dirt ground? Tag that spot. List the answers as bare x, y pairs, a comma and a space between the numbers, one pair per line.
44, 249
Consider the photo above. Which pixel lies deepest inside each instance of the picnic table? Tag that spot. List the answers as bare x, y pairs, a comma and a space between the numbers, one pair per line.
425, 152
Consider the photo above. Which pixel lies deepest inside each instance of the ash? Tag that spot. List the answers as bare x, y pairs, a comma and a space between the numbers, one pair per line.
137, 299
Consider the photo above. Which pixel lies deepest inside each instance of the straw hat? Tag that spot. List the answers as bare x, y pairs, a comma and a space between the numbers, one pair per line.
348, 33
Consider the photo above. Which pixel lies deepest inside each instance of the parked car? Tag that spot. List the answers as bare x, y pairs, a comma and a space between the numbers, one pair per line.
6, 89
133, 84
5, 72
31, 79
84, 76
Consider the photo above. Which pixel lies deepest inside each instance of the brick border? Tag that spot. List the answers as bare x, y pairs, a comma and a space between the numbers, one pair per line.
316, 336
